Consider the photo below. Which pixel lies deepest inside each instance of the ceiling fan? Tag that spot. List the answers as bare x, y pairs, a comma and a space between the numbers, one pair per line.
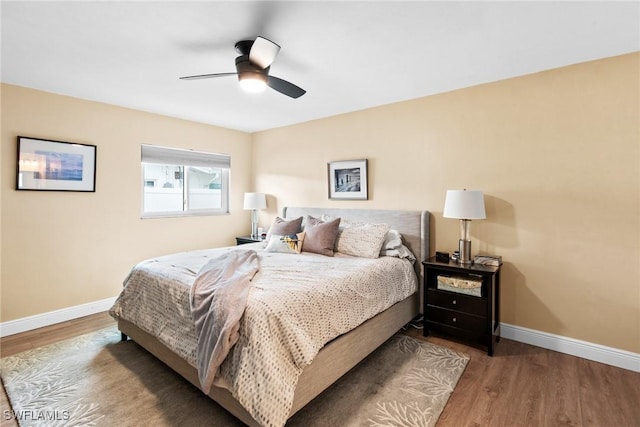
252, 68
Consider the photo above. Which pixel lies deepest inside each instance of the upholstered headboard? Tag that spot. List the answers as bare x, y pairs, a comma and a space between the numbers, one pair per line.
414, 225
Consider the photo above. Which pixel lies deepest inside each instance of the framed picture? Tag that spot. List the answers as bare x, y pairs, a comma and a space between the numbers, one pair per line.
348, 180
55, 165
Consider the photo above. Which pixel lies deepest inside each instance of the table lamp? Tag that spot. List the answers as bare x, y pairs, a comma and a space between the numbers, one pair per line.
464, 205
254, 201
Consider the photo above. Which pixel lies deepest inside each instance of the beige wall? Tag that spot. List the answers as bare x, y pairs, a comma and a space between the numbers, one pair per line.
558, 156
64, 249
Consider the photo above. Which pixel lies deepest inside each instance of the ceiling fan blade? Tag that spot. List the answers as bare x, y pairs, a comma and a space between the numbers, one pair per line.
285, 87
207, 76
263, 52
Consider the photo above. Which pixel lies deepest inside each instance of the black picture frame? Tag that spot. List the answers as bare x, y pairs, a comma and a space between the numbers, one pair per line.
49, 165
347, 180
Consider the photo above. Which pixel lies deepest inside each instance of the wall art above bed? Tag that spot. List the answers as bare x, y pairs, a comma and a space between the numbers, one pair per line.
55, 165
348, 180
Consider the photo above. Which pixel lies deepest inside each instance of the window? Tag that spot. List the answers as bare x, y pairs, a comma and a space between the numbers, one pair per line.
183, 182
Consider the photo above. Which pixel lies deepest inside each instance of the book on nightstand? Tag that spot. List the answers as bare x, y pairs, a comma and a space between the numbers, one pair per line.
493, 260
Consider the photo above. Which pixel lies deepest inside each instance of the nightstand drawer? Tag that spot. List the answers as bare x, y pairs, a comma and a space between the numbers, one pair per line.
456, 319
459, 302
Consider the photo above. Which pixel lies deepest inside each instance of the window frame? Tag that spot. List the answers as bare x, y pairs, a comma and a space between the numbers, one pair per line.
184, 158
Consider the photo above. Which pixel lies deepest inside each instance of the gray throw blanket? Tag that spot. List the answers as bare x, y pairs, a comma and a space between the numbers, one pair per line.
218, 299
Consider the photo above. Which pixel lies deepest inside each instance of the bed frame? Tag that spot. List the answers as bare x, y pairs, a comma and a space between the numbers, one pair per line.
343, 353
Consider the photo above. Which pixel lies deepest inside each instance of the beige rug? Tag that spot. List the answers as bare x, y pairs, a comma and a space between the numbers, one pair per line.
96, 380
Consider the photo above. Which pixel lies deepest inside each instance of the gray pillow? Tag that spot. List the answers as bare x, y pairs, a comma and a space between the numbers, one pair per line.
284, 227
320, 236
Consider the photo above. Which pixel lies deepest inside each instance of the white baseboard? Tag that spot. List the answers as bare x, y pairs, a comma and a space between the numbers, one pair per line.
586, 350
12, 327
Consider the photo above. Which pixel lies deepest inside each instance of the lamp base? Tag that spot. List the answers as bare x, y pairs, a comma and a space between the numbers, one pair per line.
254, 223
464, 246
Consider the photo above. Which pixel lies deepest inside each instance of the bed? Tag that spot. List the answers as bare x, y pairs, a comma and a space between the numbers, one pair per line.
337, 356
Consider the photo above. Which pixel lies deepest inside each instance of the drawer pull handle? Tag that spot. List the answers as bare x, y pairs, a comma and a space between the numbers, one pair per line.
454, 319
455, 302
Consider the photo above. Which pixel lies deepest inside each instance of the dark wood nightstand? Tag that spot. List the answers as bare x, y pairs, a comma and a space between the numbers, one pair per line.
241, 240
473, 318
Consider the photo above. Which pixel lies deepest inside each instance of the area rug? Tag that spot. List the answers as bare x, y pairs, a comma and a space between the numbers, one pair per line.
97, 380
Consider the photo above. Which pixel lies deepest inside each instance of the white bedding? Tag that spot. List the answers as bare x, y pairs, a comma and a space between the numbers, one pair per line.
296, 304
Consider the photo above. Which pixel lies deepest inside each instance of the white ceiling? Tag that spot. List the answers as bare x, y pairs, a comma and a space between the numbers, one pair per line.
347, 55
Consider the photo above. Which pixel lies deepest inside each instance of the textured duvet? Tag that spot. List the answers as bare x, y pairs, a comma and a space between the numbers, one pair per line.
296, 304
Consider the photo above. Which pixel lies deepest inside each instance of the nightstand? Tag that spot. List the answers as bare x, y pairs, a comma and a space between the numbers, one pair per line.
469, 317
241, 240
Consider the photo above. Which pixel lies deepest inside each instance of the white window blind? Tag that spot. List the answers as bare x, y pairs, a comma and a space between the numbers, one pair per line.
177, 156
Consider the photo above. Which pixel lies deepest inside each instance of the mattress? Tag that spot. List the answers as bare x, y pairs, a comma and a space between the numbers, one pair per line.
297, 303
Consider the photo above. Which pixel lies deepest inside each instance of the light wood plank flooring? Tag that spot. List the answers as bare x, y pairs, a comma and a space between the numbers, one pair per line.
521, 385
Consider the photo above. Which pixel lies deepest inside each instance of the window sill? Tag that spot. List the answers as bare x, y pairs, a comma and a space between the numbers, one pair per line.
152, 215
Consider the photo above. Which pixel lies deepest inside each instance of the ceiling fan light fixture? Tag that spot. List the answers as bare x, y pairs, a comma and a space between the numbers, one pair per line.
252, 82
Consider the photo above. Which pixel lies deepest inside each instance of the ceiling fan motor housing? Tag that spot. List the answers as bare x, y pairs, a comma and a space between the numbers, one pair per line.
243, 65
246, 69
243, 47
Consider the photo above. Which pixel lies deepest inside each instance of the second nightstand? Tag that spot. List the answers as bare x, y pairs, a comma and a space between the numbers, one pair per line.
470, 317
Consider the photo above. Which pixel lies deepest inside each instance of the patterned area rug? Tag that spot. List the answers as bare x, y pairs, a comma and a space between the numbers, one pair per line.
96, 380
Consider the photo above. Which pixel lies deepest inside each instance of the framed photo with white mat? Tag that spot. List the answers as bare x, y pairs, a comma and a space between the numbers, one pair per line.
347, 180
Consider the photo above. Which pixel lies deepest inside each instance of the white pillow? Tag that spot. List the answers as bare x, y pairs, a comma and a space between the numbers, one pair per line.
400, 252
393, 240
287, 244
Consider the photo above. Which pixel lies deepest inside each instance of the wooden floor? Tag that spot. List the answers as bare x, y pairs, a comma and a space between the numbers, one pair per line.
521, 385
